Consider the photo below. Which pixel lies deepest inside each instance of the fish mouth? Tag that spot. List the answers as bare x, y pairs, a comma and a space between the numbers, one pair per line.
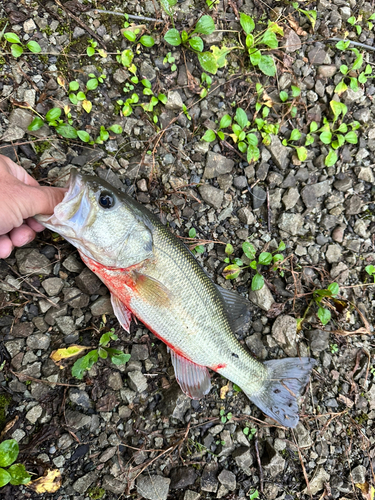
71, 214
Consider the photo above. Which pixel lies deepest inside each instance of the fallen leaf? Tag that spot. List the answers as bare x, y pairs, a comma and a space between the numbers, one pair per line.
368, 491
49, 483
87, 105
223, 391
68, 352
61, 81
348, 402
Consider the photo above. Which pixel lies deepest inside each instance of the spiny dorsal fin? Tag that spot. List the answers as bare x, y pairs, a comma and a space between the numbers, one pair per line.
237, 308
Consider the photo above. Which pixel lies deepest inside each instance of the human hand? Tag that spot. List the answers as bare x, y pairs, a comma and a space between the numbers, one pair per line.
21, 198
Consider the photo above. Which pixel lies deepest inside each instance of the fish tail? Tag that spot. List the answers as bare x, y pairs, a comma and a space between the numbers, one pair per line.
285, 382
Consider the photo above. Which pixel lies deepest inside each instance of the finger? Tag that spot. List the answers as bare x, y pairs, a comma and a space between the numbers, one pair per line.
34, 225
17, 171
6, 246
41, 200
21, 235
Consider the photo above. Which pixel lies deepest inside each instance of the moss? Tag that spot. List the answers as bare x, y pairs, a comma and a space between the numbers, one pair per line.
361, 419
5, 400
42, 146
96, 493
47, 31
43, 58
63, 29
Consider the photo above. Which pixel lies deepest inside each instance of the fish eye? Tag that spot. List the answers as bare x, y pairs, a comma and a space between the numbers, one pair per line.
106, 200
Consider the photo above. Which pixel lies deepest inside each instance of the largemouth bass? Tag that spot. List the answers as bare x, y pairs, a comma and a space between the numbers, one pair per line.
151, 275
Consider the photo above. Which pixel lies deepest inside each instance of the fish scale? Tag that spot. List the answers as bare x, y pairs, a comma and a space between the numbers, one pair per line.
154, 277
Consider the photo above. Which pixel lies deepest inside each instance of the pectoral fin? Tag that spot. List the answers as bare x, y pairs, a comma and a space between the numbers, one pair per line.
122, 313
151, 289
193, 379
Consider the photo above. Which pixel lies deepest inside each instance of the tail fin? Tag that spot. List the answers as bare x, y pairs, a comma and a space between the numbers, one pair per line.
286, 380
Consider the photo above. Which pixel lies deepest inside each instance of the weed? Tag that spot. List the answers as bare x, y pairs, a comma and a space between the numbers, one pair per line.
198, 248
334, 348
253, 494
225, 417
249, 432
171, 60
370, 270
15, 474
18, 47
310, 14
103, 351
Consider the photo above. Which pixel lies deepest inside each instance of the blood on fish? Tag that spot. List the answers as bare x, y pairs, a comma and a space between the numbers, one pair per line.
220, 366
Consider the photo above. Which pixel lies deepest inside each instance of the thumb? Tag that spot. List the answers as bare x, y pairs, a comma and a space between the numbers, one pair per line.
43, 200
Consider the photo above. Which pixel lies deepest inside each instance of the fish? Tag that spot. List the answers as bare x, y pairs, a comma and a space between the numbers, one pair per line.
153, 276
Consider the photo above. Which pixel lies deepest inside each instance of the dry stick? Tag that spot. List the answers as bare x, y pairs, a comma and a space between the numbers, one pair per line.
259, 464
29, 293
302, 464
268, 212
24, 376
82, 24
130, 16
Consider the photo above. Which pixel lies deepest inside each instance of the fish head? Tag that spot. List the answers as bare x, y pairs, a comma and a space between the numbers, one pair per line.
103, 223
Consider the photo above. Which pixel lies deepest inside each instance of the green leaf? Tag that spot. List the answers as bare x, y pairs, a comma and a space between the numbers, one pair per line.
116, 129
221, 135
73, 98
257, 282
340, 139
127, 58
67, 131
326, 137
250, 42
229, 249
84, 364
231, 272
270, 39
370, 270
302, 153
103, 354
33, 47
334, 289
81, 96
53, 114
254, 264
324, 315
295, 135
255, 56
313, 127
253, 153
36, 124
209, 136
330, 159
281, 246
351, 20
248, 250
196, 43
265, 258
90, 51
173, 37
12, 38
296, 91
309, 140
338, 108
252, 139
267, 66
283, 96
225, 121
277, 257
184, 36
351, 137
8, 452
341, 87
5, 477
120, 359
92, 84
16, 50
19, 475
343, 128
343, 45
354, 84
242, 146
192, 233
344, 69
199, 249
147, 41
163, 98
130, 35
241, 118
84, 136
247, 23
205, 25
208, 62
73, 85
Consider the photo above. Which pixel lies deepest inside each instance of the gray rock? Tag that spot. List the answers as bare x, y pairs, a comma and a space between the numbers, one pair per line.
366, 174
12, 133
317, 56
217, 164
262, 298
340, 272
80, 398
292, 41
83, 483
102, 306
209, 480
290, 198
76, 419
113, 485
359, 474
120, 75
34, 414
211, 195
259, 197
350, 96
31, 262
72, 264
240, 182
303, 436
14, 346
243, 459
319, 477
55, 312
88, 282
279, 153
227, 479
312, 192
78, 32
174, 101
32, 370
137, 381
343, 184
275, 465
65, 324
338, 234
153, 487
319, 341
191, 495
148, 71
333, 253
284, 331
24, 329
115, 381
75, 298
290, 223
327, 70
139, 352
53, 286
182, 477
246, 216
38, 341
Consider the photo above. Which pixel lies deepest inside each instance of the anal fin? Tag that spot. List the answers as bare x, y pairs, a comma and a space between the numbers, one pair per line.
122, 313
193, 379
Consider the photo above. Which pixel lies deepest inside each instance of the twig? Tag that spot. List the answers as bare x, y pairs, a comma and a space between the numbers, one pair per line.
358, 44
82, 24
268, 211
130, 16
259, 464
24, 376
29, 293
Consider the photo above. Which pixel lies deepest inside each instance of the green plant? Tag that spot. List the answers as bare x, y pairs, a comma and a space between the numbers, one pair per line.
349, 73
268, 38
301, 150
372, 371
225, 417
103, 351
249, 432
370, 270
319, 296
353, 22
18, 47
197, 248
92, 49
334, 348
206, 82
253, 494
171, 60
211, 3
284, 96
310, 14
232, 271
132, 35
15, 474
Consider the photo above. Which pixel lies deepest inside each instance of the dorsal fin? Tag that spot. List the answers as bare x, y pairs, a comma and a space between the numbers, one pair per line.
193, 379
236, 306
